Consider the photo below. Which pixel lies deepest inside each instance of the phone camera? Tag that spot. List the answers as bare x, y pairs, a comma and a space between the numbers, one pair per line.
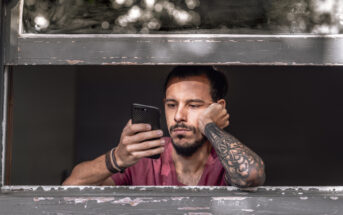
145, 110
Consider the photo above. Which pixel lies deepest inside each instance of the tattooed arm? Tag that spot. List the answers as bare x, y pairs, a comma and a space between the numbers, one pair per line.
244, 168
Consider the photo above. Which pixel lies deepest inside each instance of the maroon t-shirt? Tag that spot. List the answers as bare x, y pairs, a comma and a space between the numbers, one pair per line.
148, 172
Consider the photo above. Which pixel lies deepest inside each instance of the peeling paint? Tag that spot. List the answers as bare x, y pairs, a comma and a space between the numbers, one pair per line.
303, 197
129, 201
72, 62
248, 210
37, 199
228, 198
179, 198
194, 208
86, 199
334, 198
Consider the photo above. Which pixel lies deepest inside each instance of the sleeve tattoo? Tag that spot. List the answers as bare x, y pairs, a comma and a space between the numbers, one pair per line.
244, 168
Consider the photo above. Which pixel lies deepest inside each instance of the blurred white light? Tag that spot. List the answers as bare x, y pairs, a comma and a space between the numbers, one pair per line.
122, 21
120, 2
134, 13
149, 3
191, 4
154, 24
169, 7
325, 29
181, 17
105, 25
158, 7
323, 6
41, 23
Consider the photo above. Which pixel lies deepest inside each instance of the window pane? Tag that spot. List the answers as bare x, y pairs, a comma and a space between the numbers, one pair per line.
183, 16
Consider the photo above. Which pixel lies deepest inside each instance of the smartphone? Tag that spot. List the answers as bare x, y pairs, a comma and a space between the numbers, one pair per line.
146, 114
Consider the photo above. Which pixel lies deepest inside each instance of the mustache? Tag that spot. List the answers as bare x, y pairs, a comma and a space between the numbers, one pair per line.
181, 125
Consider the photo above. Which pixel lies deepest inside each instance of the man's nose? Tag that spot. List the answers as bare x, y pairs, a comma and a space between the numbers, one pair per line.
180, 115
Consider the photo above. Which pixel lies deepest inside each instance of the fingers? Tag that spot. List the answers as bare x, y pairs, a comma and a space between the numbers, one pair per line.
148, 153
131, 129
145, 145
142, 136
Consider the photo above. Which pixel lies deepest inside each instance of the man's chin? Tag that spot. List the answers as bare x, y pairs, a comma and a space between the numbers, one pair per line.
186, 147
182, 141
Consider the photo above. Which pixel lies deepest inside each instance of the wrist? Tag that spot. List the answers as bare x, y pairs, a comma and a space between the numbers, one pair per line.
208, 127
203, 123
120, 163
117, 162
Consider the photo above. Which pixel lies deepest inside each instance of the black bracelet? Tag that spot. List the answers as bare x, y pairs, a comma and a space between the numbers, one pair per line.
121, 170
108, 162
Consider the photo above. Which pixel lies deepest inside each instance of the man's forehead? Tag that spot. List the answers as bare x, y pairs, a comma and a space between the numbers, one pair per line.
189, 80
193, 87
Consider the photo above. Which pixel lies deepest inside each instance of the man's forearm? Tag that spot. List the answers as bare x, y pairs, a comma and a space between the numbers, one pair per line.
244, 168
89, 173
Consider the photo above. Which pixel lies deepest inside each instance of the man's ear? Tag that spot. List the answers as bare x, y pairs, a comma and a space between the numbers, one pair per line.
222, 102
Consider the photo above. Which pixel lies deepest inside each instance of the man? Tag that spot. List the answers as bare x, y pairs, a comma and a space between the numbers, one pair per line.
198, 152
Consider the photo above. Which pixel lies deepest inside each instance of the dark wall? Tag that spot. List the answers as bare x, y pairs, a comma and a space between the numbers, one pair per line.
43, 124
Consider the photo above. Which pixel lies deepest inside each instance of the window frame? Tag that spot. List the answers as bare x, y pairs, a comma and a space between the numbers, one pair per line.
69, 49
26, 49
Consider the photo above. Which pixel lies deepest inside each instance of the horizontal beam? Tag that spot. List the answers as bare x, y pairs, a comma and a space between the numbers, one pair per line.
171, 200
178, 49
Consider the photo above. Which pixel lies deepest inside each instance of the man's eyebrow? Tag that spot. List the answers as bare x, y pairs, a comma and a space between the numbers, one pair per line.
195, 100
169, 100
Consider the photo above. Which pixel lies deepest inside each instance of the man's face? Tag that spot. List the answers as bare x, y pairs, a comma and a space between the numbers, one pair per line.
185, 99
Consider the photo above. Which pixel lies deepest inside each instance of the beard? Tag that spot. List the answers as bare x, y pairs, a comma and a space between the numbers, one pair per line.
189, 148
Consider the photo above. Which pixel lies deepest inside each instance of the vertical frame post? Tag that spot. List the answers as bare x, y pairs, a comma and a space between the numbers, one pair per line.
2, 70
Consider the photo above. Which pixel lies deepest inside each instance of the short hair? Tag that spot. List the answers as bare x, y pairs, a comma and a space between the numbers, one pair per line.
217, 79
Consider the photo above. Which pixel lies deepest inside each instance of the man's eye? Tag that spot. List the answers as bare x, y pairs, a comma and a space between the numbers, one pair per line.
170, 105
194, 106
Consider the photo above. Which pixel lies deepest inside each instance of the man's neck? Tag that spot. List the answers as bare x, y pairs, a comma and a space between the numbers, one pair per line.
189, 169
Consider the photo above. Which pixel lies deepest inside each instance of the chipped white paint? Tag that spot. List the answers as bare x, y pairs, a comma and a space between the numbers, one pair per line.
303, 197
129, 201
86, 199
229, 198
193, 208
37, 199
248, 210
334, 197
179, 198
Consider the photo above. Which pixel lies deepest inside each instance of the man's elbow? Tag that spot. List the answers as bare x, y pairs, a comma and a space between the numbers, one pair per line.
255, 178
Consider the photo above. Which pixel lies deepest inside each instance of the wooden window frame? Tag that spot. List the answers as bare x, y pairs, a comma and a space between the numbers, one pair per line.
144, 49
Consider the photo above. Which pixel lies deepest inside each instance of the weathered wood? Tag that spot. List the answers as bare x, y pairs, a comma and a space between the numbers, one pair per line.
171, 200
1, 84
182, 49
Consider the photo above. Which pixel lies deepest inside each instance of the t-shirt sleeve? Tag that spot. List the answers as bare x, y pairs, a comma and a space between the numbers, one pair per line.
122, 178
